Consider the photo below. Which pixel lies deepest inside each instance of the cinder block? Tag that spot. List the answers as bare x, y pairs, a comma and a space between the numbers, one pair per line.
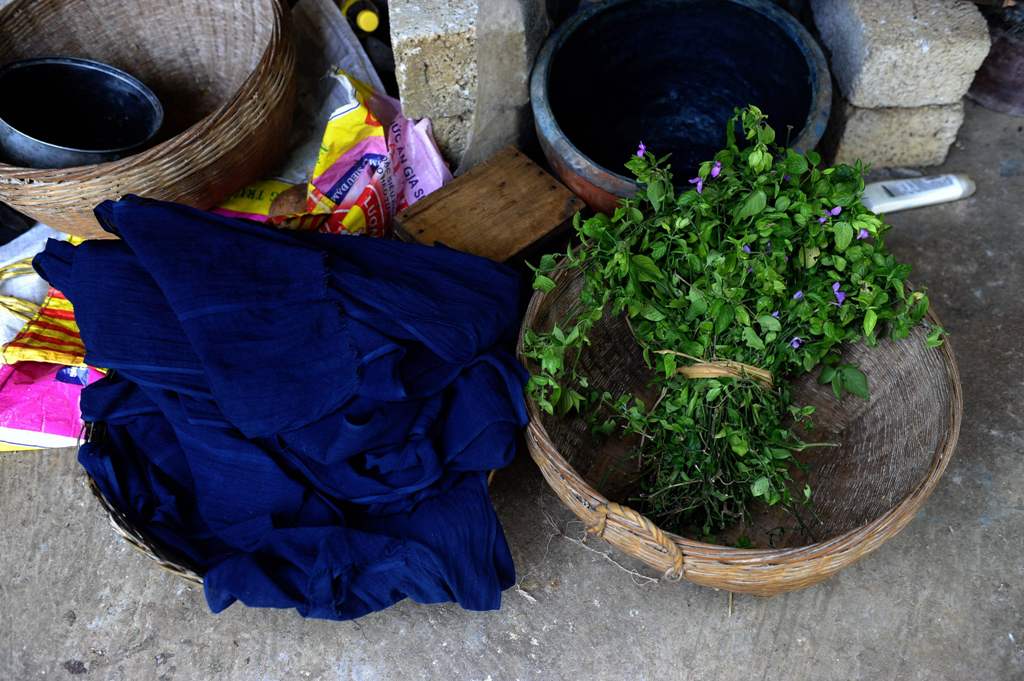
908, 53
465, 64
436, 66
918, 136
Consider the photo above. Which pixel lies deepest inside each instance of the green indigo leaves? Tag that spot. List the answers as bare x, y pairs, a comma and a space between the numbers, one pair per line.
773, 263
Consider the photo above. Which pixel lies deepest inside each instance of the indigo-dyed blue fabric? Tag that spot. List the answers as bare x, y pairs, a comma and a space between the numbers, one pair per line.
309, 419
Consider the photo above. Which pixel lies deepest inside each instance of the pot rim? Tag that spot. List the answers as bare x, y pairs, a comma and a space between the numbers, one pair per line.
91, 64
616, 183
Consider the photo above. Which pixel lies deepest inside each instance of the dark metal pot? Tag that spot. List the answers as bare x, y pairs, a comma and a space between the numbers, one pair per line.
999, 84
669, 73
59, 112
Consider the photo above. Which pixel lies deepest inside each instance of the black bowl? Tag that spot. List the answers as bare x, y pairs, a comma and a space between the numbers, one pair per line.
58, 112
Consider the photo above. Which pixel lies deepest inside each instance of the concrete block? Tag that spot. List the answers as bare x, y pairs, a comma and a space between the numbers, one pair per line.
908, 53
465, 64
435, 63
919, 136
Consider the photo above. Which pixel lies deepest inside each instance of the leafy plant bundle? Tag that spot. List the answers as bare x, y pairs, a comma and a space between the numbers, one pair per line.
756, 274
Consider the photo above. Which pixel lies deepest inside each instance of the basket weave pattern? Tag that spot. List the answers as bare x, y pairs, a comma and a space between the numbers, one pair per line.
224, 71
891, 453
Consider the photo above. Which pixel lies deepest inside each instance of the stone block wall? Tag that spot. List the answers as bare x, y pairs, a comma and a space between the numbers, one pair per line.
902, 68
465, 64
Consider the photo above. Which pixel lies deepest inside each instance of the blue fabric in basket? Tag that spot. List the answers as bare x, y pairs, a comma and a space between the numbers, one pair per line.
309, 419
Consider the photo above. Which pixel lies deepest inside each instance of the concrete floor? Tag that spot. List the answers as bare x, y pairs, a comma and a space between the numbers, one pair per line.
944, 600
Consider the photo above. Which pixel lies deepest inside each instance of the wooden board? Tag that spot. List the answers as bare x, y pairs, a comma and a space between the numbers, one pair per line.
496, 210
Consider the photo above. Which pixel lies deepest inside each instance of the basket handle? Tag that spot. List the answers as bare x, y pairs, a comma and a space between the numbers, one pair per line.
675, 554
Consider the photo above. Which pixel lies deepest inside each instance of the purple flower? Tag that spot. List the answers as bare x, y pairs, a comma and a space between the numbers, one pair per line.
716, 169
798, 295
863, 234
746, 248
840, 296
796, 342
641, 150
834, 212
699, 182
785, 178
775, 314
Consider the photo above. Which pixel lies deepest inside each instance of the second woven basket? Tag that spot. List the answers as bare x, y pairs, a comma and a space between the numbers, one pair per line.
891, 453
224, 72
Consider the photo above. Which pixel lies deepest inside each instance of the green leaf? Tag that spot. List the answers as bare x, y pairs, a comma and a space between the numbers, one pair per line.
760, 487
738, 444
751, 338
698, 303
655, 193
935, 337
652, 313
855, 381
870, 319
752, 205
635, 215
543, 283
742, 317
844, 235
724, 318
795, 163
668, 362
809, 256
645, 268
769, 323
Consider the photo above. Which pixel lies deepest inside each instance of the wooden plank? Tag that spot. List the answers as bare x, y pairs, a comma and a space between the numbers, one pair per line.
496, 210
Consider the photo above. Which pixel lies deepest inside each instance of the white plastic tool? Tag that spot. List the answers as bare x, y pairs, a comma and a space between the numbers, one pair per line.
890, 196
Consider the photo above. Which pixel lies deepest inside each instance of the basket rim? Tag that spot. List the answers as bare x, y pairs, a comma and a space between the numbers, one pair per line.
278, 48
886, 525
133, 536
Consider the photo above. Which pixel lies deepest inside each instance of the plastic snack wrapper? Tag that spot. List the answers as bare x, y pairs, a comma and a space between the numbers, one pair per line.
371, 164
39, 404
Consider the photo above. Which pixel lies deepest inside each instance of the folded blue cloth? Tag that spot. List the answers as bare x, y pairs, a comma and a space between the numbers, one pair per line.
308, 419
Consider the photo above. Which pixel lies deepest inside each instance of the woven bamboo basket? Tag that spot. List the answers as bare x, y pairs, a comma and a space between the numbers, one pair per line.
136, 537
890, 453
224, 72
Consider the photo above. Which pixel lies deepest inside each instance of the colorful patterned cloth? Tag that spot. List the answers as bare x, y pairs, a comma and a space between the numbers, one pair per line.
50, 336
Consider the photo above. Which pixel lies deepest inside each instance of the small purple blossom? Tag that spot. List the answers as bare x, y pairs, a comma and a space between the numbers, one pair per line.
863, 234
746, 248
641, 150
840, 296
830, 213
785, 178
699, 182
775, 314
798, 295
796, 342
716, 169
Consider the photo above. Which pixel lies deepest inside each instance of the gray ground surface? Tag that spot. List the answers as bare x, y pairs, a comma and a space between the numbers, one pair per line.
943, 600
